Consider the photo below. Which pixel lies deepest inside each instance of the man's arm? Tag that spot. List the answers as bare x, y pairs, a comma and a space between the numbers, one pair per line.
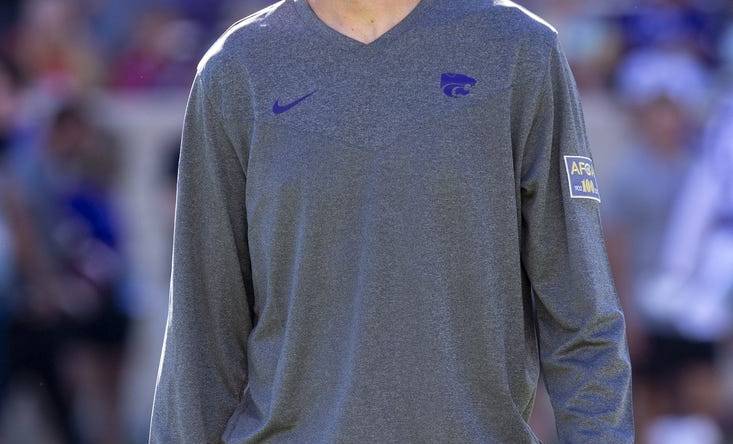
203, 364
581, 328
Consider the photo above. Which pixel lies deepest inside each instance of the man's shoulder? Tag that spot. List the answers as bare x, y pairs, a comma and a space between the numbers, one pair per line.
526, 40
244, 38
506, 20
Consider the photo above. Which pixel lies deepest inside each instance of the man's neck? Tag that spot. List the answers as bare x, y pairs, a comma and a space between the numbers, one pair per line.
362, 20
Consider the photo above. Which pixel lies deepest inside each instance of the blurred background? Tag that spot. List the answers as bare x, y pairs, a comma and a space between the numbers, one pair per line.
92, 95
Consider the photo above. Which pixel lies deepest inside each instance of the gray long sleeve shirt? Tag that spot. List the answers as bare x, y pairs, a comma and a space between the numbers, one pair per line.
389, 242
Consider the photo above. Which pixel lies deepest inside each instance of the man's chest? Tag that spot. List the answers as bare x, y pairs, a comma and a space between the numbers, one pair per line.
434, 123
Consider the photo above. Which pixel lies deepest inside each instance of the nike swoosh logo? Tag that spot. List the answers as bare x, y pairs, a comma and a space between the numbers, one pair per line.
277, 108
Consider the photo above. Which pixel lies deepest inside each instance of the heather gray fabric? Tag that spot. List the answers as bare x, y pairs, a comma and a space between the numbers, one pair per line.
359, 267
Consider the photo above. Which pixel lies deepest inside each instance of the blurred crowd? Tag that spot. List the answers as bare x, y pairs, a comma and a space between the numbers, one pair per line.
75, 304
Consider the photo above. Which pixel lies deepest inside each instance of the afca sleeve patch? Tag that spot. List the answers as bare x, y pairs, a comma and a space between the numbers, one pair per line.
582, 177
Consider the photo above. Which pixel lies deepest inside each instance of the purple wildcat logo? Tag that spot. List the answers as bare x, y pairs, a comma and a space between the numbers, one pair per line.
455, 84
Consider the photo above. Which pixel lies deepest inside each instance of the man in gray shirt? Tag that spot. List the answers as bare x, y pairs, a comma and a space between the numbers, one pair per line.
385, 241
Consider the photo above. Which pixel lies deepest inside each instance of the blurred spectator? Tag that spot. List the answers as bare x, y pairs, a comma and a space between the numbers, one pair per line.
161, 53
696, 264
646, 181
639, 199
73, 316
693, 290
54, 49
30, 340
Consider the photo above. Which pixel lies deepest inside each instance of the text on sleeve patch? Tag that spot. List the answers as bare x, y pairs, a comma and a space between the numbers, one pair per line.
582, 177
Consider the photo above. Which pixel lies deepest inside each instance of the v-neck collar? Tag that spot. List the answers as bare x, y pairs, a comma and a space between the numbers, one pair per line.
342, 41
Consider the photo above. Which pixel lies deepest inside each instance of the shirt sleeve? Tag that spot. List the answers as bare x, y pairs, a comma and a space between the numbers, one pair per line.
580, 325
203, 367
